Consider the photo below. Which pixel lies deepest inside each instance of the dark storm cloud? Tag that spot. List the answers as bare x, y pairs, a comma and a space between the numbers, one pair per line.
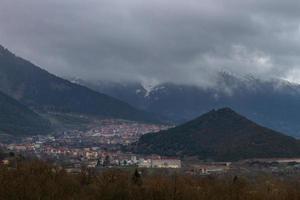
159, 40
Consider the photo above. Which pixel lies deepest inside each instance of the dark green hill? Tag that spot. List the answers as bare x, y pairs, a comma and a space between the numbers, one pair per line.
16, 119
220, 135
43, 91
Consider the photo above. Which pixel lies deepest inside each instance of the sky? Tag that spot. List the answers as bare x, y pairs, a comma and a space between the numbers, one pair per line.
156, 41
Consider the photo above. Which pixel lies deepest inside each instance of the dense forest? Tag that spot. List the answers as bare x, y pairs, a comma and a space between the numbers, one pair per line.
37, 180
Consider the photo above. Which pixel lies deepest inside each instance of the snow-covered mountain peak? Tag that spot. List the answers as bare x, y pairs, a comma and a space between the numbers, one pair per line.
149, 86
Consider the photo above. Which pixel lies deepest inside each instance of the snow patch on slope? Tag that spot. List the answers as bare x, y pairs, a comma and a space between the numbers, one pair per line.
149, 86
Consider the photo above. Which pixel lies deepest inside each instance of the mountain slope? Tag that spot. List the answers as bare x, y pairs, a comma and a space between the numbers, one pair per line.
273, 103
16, 119
220, 135
45, 92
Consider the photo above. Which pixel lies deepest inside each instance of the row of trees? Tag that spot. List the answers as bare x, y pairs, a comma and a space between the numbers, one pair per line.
40, 181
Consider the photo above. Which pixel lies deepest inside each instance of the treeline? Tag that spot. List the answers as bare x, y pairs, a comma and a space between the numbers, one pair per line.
36, 180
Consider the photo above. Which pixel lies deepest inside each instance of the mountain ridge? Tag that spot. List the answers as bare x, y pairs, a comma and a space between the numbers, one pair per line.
43, 91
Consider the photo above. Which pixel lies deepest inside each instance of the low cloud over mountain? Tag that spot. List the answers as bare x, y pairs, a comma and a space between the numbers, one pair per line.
158, 41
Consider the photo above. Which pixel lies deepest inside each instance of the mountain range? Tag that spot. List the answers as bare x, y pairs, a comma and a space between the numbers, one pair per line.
44, 95
44, 92
273, 103
219, 135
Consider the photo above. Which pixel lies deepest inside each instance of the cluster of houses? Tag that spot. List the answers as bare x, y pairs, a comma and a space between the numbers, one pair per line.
149, 162
93, 157
160, 163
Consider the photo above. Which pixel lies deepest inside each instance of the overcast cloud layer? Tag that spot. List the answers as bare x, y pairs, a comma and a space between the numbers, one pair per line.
184, 41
